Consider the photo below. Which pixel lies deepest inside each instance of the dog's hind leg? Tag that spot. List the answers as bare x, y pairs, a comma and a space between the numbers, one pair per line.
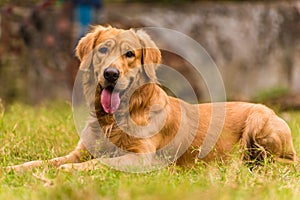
278, 140
267, 136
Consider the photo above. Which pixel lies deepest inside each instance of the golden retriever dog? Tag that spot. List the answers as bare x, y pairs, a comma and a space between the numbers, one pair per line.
133, 122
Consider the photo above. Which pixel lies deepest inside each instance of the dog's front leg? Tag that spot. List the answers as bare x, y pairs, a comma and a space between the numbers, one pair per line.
77, 155
88, 165
136, 162
129, 163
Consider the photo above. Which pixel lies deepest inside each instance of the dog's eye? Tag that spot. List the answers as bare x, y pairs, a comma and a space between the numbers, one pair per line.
129, 54
103, 50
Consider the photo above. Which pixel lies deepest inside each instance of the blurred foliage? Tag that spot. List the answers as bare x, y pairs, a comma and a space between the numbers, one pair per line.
32, 66
270, 94
2, 109
18, 2
14, 81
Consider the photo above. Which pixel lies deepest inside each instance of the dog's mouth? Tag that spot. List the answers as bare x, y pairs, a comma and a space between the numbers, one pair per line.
110, 100
111, 97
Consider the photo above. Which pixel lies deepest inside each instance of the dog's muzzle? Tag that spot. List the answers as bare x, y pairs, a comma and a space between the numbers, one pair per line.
110, 98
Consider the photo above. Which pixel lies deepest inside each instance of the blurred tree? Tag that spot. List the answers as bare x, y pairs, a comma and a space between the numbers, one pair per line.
37, 46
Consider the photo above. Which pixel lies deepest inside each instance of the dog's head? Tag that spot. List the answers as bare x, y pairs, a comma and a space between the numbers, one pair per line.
117, 59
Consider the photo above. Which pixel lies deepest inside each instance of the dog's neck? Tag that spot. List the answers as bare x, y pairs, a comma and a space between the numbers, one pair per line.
149, 96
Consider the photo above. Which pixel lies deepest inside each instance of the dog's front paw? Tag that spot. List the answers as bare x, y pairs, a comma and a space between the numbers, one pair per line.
24, 167
10, 169
67, 167
85, 166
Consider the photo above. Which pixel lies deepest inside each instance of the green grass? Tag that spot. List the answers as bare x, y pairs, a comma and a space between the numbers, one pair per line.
28, 133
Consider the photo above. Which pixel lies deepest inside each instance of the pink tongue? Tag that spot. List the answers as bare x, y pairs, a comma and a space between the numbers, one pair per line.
110, 101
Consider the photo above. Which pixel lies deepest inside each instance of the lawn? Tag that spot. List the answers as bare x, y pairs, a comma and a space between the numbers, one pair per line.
46, 131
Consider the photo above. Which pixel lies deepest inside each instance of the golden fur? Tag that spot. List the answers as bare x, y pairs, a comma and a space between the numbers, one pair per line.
256, 129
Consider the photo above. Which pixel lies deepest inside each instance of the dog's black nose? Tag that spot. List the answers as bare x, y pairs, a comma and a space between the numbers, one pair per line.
111, 74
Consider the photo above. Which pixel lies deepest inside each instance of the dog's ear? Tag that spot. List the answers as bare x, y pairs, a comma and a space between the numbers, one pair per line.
86, 45
151, 58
